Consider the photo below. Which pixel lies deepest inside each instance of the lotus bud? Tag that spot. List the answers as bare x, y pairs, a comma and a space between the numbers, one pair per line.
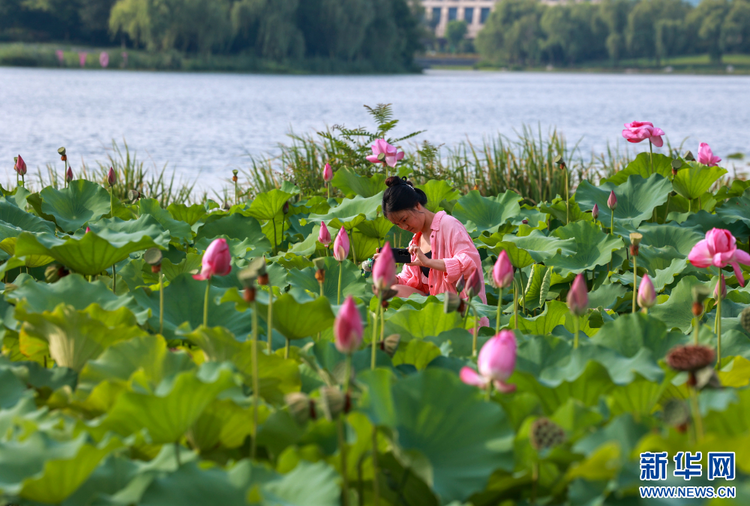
595, 211
474, 283
341, 245
700, 293
723, 288
88, 230
390, 344
635, 241
460, 284
327, 173
545, 434
301, 407
324, 236
69, 175
646, 293
612, 200
234, 175
462, 308
111, 177
347, 328
578, 297
333, 402
384, 269
285, 208
217, 260
20, 166
707, 378
502, 272
675, 413
745, 319
525, 221
452, 302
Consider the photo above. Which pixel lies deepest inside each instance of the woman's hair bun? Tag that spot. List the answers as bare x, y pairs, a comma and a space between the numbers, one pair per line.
395, 181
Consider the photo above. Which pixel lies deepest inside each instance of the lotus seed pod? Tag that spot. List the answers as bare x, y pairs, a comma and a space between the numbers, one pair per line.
690, 358
545, 434
675, 412
636, 238
332, 401
700, 293
390, 344
707, 378
248, 294
301, 407
263, 279
745, 319
320, 276
61, 151
689, 156
697, 308
153, 256
320, 263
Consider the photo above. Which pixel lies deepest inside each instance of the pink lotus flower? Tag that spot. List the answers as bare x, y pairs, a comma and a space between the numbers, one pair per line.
382, 152
706, 156
496, 362
217, 261
595, 211
104, 59
723, 288
341, 245
719, 248
111, 177
327, 173
347, 328
612, 200
639, 131
578, 296
20, 166
502, 272
60, 55
88, 230
384, 269
324, 236
69, 175
82, 58
646, 293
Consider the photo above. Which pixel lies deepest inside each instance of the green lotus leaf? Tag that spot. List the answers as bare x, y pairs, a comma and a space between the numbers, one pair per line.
636, 198
639, 397
62, 477
12, 389
222, 423
18, 195
75, 291
660, 277
350, 183
192, 262
429, 321
555, 314
734, 209
486, 213
73, 207
352, 282
75, 337
9, 246
268, 205
377, 228
14, 220
179, 230
592, 248
307, 484
702, 222
558, 209
173, 407
349, 210
453, 450
188, 214
309, 246
112, 475
235, 226
630, 333
295, 320
606, 295
541, 247
417, 353
519, 258
190, 484
622, 429
363, 246
109, 242
217, 343
677, 311
694, 180
438, 190
641, 166
183, 303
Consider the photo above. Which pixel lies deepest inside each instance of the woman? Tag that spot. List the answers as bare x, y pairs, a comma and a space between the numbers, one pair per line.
441, 249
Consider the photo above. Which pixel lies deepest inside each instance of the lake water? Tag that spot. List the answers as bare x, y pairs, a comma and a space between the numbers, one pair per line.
206, 124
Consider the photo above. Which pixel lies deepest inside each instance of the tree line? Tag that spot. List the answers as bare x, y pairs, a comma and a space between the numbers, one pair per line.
383, 33
525, 32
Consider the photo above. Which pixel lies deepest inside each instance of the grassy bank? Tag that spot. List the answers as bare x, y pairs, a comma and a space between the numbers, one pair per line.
45, 55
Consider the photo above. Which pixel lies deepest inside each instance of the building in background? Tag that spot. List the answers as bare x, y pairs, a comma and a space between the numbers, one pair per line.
474, 12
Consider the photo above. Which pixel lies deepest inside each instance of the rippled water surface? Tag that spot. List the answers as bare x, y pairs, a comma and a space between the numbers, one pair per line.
206, 123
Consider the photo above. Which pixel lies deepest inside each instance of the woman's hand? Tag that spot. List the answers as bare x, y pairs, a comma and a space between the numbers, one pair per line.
421, 260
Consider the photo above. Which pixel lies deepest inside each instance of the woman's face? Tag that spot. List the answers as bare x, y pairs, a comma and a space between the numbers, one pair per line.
411, 220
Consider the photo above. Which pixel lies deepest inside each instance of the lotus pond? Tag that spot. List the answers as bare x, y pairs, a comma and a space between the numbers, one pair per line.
114, 392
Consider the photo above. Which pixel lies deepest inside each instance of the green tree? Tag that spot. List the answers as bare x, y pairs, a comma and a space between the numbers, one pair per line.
614, 13
573, 33
512, 33
709, 18
642, 22
273, 24
671, 38
455, 33
736, 28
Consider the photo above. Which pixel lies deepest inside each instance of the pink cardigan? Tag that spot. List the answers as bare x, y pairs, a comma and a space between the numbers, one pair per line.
451, 243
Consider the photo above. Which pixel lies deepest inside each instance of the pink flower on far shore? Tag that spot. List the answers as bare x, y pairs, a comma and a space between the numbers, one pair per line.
82, 58
706, 156
217, 261
719, 249
347, 328
341, 245
382, 152
324, 236
384, 269
496, 362
639, 131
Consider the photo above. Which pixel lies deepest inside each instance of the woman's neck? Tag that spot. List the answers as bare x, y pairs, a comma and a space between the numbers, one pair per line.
429, 216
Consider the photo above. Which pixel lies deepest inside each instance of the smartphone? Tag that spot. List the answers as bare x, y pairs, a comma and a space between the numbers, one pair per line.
400, 255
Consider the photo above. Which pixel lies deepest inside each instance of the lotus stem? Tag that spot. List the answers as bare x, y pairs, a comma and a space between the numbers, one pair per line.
270, 321
114, 279
515, 305
286, 349
375, 331
348, 372
256, 382
161, 303
338, 298
488, 393
696, 329
534, 481
382, 324
612, 222
695, 408
375, 484
205, 303
635, 280
577, 327
328, 188
321, 288
718, 326
651, 150
342, 449
273, 222
177, 453
567, 198
476, 331
354, 251
499, 309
